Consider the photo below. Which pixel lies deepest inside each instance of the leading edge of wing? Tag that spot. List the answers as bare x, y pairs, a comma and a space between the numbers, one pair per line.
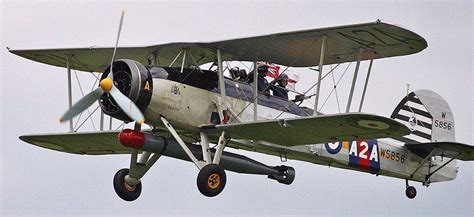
89, 143
314, 129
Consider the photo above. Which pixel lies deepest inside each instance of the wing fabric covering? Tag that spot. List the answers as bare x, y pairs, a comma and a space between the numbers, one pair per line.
91, 143
313, 130
446, 149
296, 49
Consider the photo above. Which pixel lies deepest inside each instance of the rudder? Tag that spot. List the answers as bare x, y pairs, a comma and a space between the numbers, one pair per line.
428, 116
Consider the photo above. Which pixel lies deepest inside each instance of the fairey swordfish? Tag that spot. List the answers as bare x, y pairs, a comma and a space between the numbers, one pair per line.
189, 108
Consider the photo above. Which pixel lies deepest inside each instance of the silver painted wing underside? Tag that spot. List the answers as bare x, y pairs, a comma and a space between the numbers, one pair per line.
446, 149
314, 130
91, 143
296, 49
88, 143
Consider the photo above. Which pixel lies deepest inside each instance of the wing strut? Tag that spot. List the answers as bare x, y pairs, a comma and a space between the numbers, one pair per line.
221, 79
320, 74
365, 86
422, 163
176, 58
361, 51
184, 60
69, 90
255, 91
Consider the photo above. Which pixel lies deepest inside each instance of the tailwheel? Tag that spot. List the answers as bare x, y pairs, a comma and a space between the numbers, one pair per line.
410, 192
123, 189
211, 180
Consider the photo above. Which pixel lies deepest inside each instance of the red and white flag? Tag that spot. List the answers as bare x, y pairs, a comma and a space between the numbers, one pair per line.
273, 70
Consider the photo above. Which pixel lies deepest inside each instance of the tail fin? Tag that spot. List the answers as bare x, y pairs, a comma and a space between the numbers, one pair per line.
430, 119
428, 116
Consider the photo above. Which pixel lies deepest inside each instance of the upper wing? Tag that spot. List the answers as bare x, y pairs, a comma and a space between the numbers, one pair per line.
315, 129
446, 149
93, 143
297, 49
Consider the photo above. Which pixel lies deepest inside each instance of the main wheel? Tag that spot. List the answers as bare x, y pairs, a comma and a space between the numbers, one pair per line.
124, 190
410, 192
211, 180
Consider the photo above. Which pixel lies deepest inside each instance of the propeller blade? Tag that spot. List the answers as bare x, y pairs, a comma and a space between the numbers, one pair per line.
116, 43
82, 104
127, 105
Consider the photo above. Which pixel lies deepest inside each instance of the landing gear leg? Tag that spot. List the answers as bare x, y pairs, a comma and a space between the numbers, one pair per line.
127, 182
410, 191
211, 179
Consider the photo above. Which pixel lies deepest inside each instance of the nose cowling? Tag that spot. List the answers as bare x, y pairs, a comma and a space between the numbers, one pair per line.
133, 79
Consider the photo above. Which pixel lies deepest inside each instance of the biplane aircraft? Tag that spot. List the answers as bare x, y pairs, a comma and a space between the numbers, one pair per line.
188, 108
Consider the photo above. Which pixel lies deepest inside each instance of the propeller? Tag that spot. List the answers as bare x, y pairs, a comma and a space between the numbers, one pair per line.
106, 85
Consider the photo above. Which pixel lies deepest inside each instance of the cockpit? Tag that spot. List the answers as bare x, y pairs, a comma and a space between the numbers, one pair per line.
236, 88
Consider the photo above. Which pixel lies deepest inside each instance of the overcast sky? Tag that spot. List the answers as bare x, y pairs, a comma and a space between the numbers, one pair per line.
37, 181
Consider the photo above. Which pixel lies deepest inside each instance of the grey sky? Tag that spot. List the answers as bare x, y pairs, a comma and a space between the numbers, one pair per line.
36, 181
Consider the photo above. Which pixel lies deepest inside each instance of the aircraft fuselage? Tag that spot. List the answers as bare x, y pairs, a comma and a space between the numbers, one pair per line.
188, 107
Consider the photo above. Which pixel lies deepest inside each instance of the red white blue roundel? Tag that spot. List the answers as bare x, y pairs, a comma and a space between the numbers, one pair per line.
333, 148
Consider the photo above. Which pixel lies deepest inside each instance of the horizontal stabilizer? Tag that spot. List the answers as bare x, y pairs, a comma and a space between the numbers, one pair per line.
446, 149
314, 129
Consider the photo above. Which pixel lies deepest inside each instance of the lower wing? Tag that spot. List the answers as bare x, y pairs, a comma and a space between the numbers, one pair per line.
314, 129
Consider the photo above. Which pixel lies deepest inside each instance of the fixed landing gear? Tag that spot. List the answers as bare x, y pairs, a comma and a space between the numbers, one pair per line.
211, 180
410, 191
123, 189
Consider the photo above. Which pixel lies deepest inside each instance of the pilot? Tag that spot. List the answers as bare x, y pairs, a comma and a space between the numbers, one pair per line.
280, 90
238, 74
262, 83
234, 73
242, 75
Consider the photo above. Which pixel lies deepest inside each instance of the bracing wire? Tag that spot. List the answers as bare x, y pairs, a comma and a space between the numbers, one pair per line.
86, 119
331, 71
334, 88
335, 92
82, 93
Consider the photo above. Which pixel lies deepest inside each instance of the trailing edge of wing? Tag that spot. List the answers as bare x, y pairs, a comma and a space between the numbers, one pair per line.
446, 149
315, 129
297, 49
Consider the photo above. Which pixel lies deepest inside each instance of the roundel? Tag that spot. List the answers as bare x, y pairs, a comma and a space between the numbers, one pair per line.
333, 148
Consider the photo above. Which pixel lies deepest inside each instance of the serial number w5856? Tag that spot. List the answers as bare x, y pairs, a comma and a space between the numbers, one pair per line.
443, 124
